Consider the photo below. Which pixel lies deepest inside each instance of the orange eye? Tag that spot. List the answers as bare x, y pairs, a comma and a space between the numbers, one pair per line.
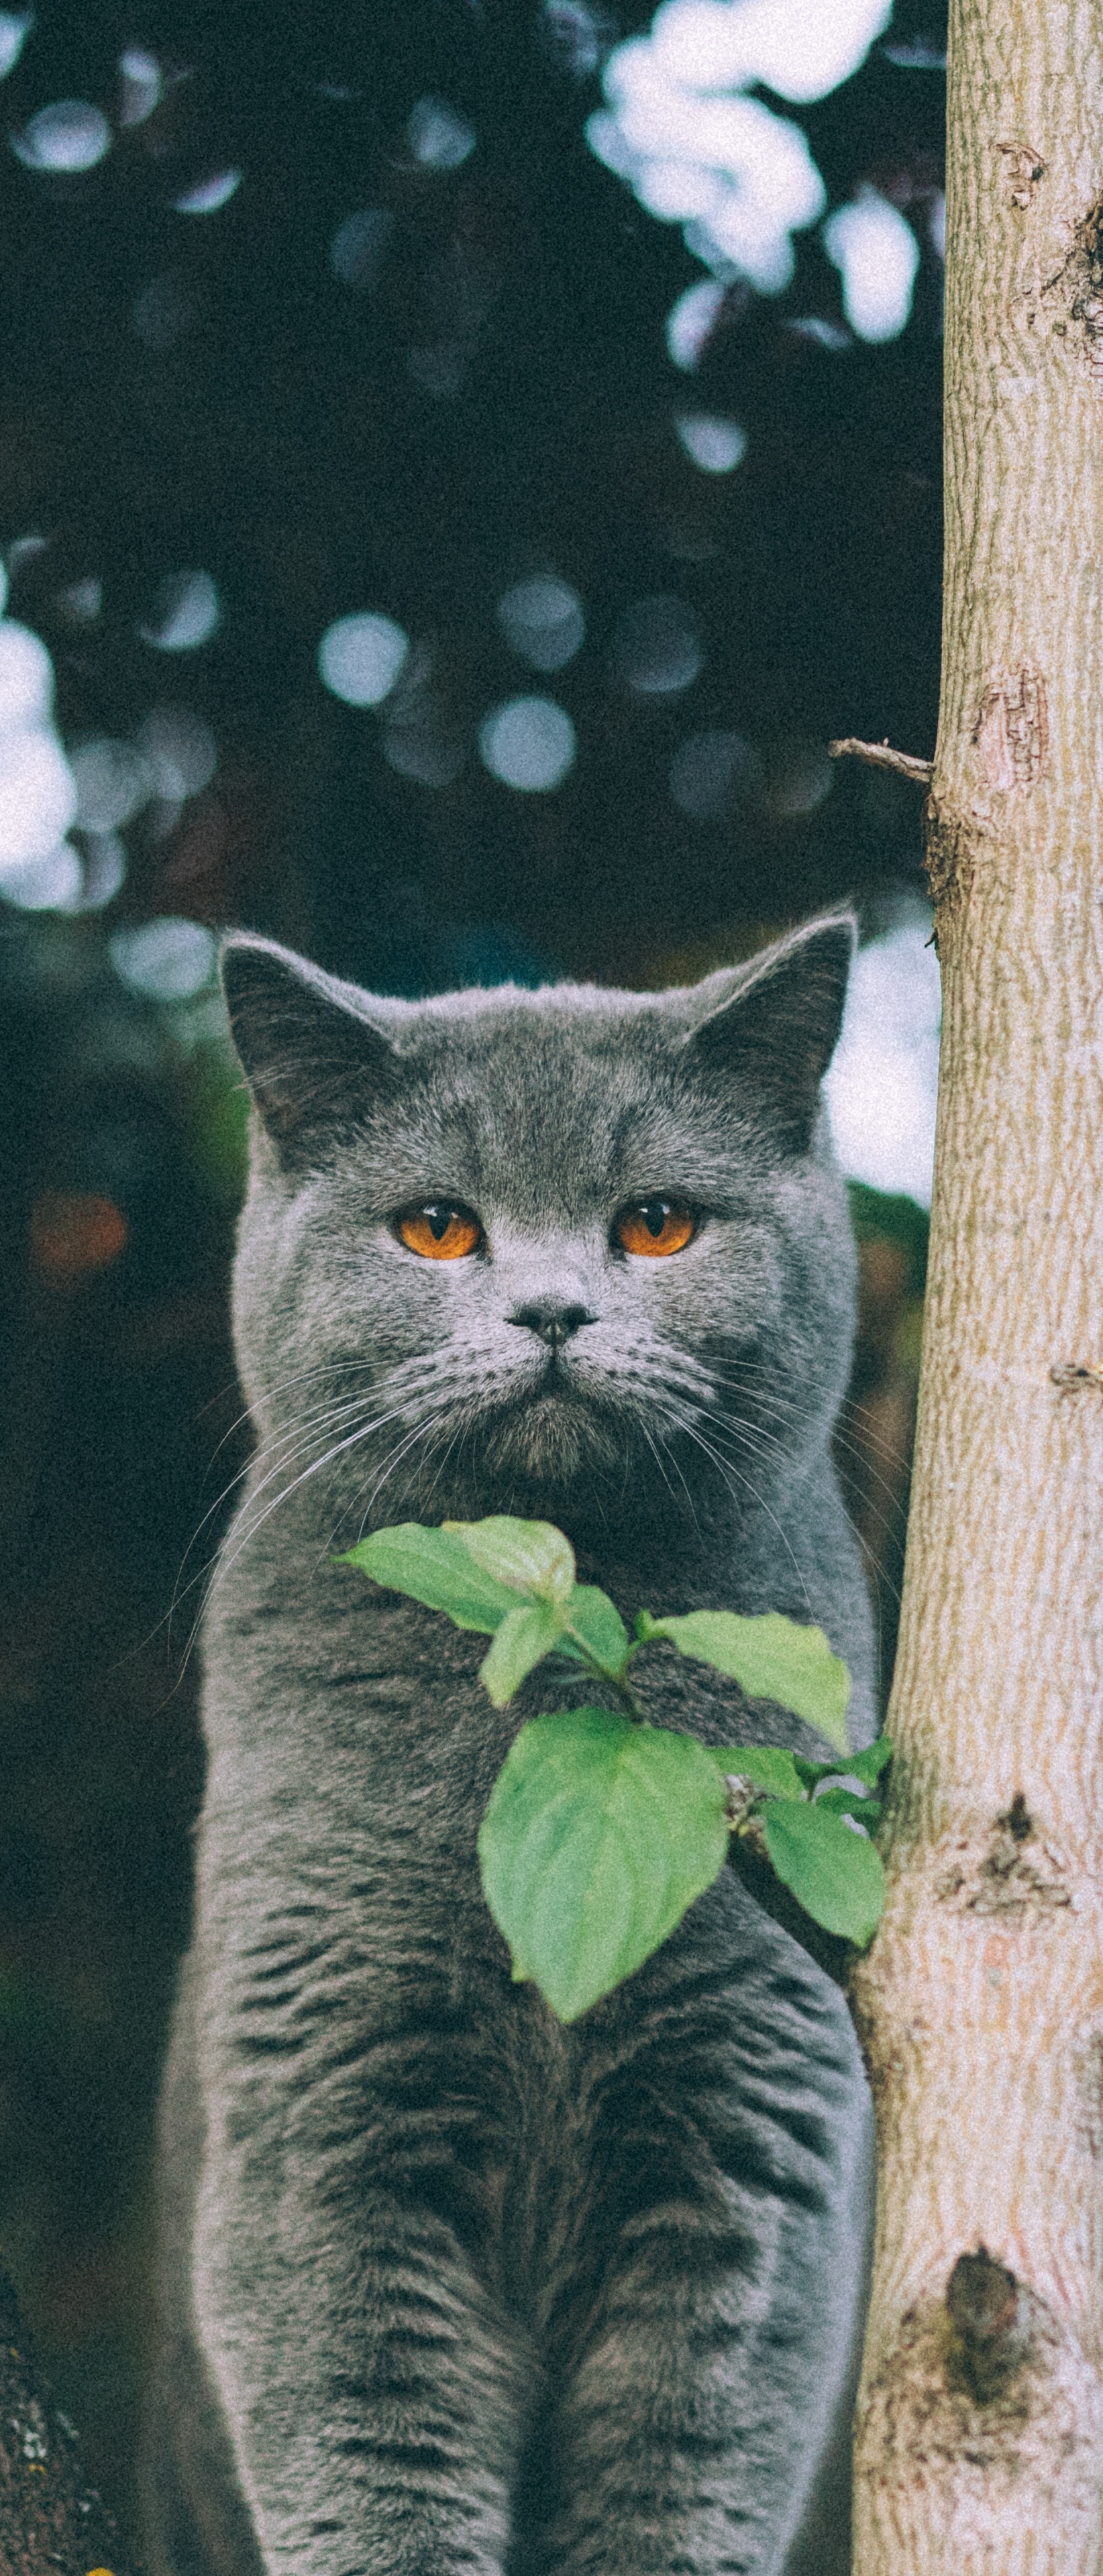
655, 1226
439, 1231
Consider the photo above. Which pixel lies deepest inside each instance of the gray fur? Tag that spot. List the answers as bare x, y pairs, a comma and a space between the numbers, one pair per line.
446, 2287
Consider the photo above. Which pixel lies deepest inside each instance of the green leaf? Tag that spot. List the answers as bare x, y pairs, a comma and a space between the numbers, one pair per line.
599, 1624
871, 1761
770, 1657
867, 1765
848, 1802
833, 1872
598, 1835
766, 1765
435, 1567
530, 1556
526, 1635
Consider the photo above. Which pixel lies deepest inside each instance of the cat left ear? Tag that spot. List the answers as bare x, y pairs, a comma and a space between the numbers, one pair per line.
774, 1023
311, 1056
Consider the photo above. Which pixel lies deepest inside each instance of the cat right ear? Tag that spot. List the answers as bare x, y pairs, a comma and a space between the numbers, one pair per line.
312, 1061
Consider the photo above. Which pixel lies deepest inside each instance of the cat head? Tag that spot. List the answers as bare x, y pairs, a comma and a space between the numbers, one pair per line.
513, 1250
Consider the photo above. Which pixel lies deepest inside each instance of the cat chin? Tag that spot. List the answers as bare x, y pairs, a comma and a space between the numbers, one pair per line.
551, 1439
537, 1456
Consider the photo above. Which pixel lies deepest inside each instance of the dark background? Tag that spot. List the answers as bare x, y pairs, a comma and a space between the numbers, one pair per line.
494, 399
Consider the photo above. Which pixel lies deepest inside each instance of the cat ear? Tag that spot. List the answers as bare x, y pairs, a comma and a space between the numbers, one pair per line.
773, 1023
311, 1057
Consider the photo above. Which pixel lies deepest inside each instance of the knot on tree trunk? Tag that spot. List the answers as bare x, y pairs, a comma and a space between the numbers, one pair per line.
1014, 1871
988, 2330
984, 2397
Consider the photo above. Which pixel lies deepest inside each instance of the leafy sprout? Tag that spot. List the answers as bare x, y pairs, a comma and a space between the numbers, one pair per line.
603, 1829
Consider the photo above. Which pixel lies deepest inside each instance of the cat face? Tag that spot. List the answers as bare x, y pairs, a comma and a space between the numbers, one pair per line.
503, 1246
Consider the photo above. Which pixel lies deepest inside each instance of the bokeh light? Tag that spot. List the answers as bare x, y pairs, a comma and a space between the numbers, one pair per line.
359, 246
883, 1079
207, 196
713, 773
877, 255
542, 618
162, 309
529, 743
75, 1233
576, 34
801, 53
167, 959
798, 775
52, 883
112, 782
103, 871
690, 322
81, 601
714, 443
360, 657
39, 869
26, 677
186, 613
69, 135
421, 739
697, 151
439, 138
179, 751
656, 647
15, 27
140, 75
38, 798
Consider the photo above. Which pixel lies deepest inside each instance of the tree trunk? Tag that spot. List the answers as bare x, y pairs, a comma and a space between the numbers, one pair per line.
980, 2418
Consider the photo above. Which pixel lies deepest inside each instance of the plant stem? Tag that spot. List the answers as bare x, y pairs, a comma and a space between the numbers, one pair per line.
614, 1681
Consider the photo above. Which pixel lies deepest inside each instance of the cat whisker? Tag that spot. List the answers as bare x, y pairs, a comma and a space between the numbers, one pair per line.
683, 1421
335, 1450
788, 1407
292, 1436
656, 1451
329, 1368
895, 1516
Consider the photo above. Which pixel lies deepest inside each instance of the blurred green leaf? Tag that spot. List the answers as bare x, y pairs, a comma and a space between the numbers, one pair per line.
526, 1635
848, 1802
767, 1766
434, 1567
833, 1872
598, 1835
530, 1556
770, 1657
866, 1765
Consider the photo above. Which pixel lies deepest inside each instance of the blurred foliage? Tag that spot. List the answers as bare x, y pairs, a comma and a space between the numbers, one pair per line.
880, 1217
491, 397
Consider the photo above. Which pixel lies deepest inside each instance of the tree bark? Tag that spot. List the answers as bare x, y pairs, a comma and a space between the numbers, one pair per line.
980, 2417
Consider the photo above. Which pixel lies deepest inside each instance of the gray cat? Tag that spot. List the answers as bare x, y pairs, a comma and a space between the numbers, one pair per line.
447, 2287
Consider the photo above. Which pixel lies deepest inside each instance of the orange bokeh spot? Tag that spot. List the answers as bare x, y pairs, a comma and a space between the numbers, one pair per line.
74, 1232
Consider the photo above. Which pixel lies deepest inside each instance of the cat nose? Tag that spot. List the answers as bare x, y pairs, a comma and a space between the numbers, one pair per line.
553, 1324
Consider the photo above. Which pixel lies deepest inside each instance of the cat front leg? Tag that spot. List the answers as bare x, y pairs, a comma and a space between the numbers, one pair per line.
372, 2396
372, 2388
728, 2186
